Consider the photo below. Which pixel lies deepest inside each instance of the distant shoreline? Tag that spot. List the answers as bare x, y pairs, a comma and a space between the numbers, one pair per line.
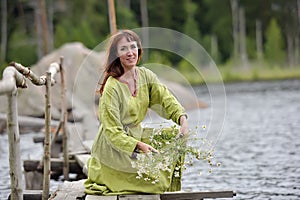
231, 74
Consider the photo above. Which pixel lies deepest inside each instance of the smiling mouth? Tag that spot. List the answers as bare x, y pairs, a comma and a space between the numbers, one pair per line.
130, 59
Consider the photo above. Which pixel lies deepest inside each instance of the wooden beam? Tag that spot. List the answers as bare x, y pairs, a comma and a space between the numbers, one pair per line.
196, 195
31, 195
94, 197
138, 197
56, 166
27, 123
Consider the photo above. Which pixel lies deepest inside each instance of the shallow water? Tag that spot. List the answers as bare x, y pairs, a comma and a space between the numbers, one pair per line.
258, 148
28, 150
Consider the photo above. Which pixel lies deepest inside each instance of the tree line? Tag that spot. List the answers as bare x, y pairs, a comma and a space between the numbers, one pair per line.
232, 31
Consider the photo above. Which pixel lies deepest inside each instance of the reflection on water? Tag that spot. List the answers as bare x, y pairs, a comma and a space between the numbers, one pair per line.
258, 147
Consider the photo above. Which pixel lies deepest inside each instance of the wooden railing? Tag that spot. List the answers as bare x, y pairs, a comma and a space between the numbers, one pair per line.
14, 77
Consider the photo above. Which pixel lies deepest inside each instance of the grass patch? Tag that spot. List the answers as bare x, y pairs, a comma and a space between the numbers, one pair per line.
225, 74
259, 73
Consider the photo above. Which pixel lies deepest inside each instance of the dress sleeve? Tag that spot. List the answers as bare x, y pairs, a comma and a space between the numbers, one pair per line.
162, 101
112, 128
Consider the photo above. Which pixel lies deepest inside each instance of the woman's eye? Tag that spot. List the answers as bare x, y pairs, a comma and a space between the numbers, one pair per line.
133, 47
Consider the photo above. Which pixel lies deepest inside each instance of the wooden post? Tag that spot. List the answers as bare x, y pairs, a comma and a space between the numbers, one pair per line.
145, 31
112, 16
8, 85
259, 40
235, 27
14, 147
3, 30
64, 121
214, 47
47, 145
242, 41
42, 7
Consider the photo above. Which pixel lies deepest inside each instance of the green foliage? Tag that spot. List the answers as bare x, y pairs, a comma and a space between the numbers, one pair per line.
84, 21
189, 72
126, 19
62, 34
167, 14
21, 49
185, 66
190, 25
251, 48
157, 56
84, 34
214, 17
274, 51
2, 67
87, 22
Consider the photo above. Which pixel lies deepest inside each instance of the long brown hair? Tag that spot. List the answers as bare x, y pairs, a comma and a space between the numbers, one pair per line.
113, 65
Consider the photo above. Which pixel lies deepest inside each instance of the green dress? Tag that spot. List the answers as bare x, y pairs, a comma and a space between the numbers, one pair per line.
109, 168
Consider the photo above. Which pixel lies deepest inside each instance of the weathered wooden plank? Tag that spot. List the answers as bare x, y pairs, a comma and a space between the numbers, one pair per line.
88, 144
124, 197
196, 195
33, 180
28, 124
41, 139
97, 197
140, 197
75, 190
82, 159
56, 165
69, 191
30, 195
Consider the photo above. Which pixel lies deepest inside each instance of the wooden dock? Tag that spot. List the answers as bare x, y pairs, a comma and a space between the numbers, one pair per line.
70, 190
75, 190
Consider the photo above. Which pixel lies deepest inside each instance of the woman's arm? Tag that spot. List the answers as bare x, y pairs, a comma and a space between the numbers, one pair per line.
163, 102
112, 127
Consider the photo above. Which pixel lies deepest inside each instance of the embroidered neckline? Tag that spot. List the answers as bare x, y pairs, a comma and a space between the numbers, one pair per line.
135, 86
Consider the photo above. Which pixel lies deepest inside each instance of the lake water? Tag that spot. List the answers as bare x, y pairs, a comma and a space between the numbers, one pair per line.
258, 148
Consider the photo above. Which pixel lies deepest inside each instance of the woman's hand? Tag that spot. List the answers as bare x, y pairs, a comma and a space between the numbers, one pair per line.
184, 127
146, 147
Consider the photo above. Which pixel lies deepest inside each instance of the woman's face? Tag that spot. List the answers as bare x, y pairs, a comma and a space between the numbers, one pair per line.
128, 53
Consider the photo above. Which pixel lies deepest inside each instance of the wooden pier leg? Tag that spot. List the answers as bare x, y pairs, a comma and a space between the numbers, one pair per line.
47, 143
14, 147
64, 122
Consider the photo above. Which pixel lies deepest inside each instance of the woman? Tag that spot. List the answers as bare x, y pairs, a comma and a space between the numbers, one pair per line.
127, 91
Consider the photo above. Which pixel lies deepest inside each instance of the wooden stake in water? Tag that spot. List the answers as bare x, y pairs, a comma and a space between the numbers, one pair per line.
47, 143
8, 86
14, 147
64, 121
